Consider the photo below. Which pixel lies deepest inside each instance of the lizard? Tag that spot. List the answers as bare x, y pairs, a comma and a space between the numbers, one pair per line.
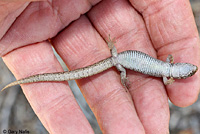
130, 59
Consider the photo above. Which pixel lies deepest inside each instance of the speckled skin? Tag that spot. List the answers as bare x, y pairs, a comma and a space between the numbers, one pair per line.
131, 59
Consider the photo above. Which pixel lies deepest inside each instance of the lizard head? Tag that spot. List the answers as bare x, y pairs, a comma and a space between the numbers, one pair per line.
184, 70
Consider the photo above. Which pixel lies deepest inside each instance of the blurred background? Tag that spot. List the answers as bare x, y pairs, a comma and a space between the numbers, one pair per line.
16, 113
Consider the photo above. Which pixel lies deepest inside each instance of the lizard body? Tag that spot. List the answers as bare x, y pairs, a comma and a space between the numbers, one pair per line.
131, 59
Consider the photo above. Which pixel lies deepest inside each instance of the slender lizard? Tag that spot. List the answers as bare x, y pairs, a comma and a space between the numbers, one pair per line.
131, 59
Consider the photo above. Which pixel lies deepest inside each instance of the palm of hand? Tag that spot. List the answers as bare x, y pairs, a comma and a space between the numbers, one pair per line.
152, 31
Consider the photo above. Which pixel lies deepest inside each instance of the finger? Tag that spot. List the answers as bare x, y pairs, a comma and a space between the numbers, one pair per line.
40, 21
173, 31
148, 94
98, 18
80, 45
19, 0
9, 11
53, 102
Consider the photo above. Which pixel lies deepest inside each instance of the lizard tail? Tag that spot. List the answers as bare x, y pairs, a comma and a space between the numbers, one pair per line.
31, 79
68, 75
11, 84
23, 81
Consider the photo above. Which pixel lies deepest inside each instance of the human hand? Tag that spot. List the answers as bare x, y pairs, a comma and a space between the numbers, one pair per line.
157, 29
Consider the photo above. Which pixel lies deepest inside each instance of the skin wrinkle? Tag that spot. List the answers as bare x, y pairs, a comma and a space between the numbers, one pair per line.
72, 109
43, 120
118, 18
102, 103
57, 24
138, 83
15, 33
74, 5
113, 18
186, 39
148, 115
176, 21
95, 105
153, 99
128, 42
187, 95
108, 124
168, 45
56, 12
28, 41
8, 1
42, 69
95, 79
118, 36
154, 7
8, 15
176, 51
55, 104
132, 31
90, 61
77, 49
156, 28
40, 113
85, 1
32, 87
107, 98
164, 34
99, 53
